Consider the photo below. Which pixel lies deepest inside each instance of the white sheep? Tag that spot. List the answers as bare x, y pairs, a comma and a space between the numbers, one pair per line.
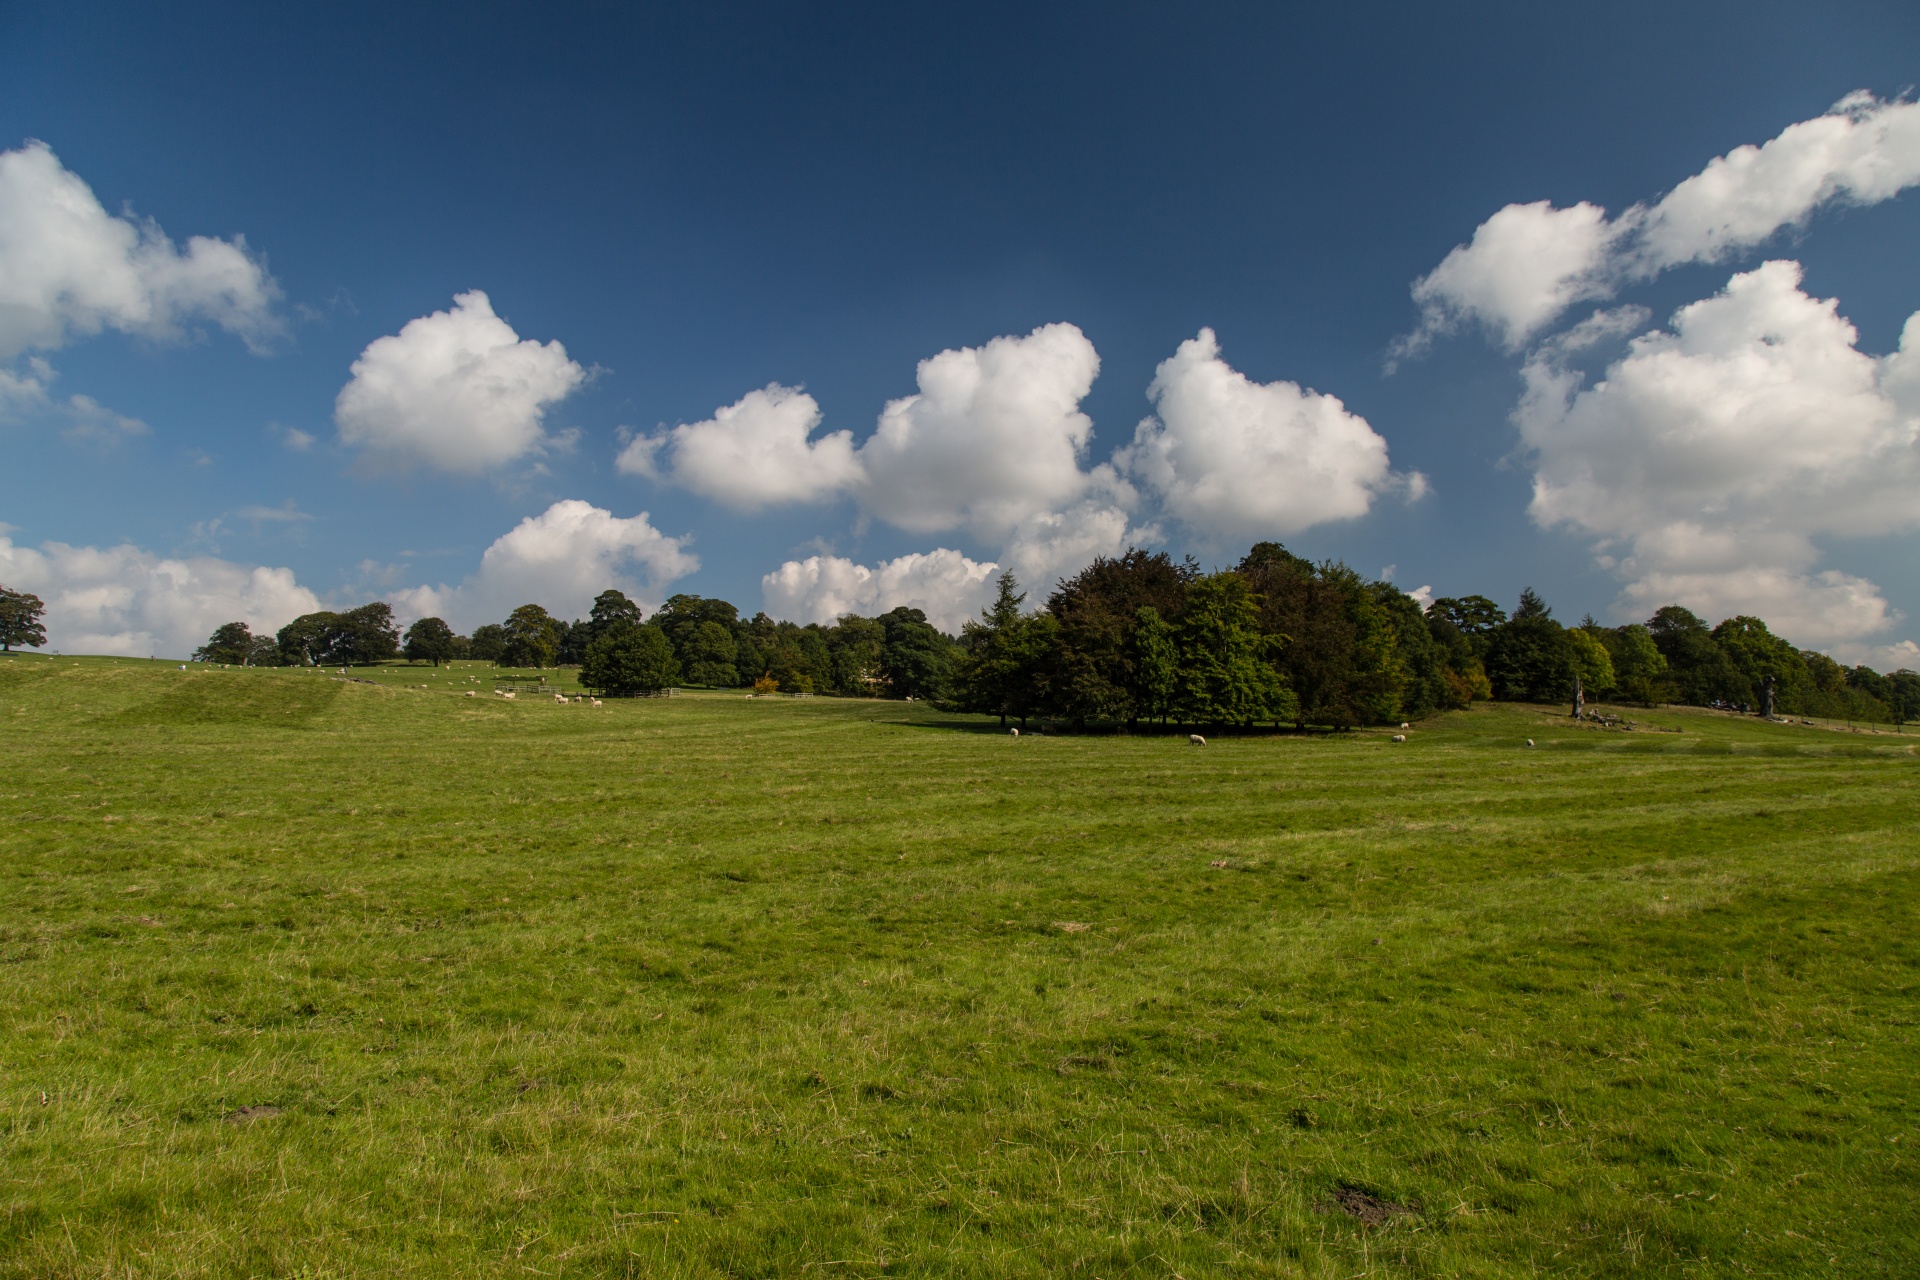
594, 701
1399, 737
1196, 740
469, 693
1529, 741
560, 699
508, 695
1014, 732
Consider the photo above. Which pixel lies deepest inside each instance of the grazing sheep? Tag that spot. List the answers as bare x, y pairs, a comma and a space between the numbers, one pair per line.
1405, 725
469, 693
1014, 732
1399, 737
508, 695
594, 701
1196, 740
560, 699
1529, 741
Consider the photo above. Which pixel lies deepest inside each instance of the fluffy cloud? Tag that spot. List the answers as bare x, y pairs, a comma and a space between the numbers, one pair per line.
1528, 263
946, 585
752, 454
122, 600
1713, 453
70, 269
1234, 458
458, 390
560, 559
993, 438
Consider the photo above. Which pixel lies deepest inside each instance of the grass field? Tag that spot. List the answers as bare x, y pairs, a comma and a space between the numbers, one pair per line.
304, 977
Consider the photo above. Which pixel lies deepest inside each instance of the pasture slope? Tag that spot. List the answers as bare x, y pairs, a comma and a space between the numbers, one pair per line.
310, 978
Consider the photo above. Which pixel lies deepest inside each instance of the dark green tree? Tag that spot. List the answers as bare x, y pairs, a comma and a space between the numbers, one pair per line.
231, 643
710, 652
629, 659
263, 651
1700, 669
365, 636
20, 613
915, 659
1154, 659
1528, 658
1092, 677
1905, 702
430, 640
308, 640
1469, 615
1639, 668
487, 643
532, 638
1005, 657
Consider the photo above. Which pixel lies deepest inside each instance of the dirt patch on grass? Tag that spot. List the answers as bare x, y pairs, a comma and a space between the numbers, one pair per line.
247, 1115
1371, 1210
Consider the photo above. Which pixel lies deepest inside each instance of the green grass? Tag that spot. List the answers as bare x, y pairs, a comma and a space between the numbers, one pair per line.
705, 986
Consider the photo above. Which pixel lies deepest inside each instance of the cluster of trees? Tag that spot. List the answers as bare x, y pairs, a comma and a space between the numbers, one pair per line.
1143, 639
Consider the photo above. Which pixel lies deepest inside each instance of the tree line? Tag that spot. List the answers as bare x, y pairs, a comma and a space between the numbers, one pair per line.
1142, 639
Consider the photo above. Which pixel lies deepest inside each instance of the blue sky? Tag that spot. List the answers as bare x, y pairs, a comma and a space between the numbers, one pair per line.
699, 202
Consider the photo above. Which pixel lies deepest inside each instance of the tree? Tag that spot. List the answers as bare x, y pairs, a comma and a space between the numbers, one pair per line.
365, 636
628, 659
1639, 668
612, 606
710, 652
20, 613
1529, 658
307, 641
1700, 668
1906, 696
264, 651
532, 638
231, 643
1003, 664
1224, 676
1155, 665
487, 643
1096, 609
1591, 662
429, 640
1469, 615
915, 659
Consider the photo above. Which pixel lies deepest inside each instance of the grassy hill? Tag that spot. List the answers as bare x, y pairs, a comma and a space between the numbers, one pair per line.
309, 977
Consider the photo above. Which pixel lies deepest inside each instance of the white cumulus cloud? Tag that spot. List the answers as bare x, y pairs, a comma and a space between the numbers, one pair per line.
946, 585
458, 390
1234, 458
560, 559
751, 454
69, 269
123, 600
994, 437
1529, 262
1710, 455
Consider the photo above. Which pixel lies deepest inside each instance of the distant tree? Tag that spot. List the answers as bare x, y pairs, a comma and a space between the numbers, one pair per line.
487, 643
857, 646
1701, 671
628, 659
1529, 658
1224, 676
1591, 661
1469, 615
1155, 665
20, 613
365, 635
430, 640
915, 659
1340, 658
1905, 702
308, 640
1005, 662
612, 606
682, 616
231, 643
532, 638
1092, 676
1639, 668
765, 686
571, 647
263, 651
710, 652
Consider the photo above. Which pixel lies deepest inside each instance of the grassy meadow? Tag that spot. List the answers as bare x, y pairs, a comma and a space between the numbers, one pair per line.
307, 977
